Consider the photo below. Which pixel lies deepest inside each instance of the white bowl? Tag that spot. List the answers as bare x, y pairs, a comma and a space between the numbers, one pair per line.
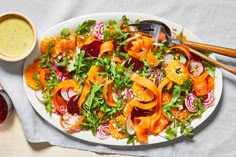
17, 36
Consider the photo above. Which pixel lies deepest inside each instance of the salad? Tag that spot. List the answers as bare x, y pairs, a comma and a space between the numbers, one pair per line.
111, 79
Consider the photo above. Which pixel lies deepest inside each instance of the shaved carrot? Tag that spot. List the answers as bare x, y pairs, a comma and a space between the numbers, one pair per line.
156, 116
151, 59
88, 40
210, 83
108, 95
200, 83
93, 75
141, 127
107, 46
158, 123
163, 83
66, 84
166, 98
42, 76
84, 93
135, 54
170, 84
76, 126
134, 103
141, 79
200, 87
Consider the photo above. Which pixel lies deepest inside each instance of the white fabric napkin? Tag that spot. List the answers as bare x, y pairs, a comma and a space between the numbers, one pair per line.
213, 21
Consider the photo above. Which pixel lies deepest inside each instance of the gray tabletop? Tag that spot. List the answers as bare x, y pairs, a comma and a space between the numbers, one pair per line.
213, 21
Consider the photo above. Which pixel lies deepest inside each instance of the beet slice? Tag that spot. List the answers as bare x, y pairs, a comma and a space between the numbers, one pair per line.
92, 49
72, 106
137, 64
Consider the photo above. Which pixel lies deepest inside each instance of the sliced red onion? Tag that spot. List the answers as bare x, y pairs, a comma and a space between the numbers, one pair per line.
65, 125
128, 94
54, 65
60, 58
129, 126
71, 93
62, 78
103, 131
158, 71
116, 95
98, 30
64, 94
209, 101
189, 103
39, 95
196, 67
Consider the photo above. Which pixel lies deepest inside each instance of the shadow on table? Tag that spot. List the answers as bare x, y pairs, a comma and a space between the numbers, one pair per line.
39, 146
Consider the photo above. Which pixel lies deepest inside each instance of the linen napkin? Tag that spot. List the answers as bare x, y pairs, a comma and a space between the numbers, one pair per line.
215, 137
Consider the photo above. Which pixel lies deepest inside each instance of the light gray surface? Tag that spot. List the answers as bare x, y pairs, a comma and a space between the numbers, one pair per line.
213, 21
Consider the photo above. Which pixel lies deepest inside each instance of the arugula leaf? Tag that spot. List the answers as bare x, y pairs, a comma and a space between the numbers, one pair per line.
187, 86
175, 96
210, 68
80, 65
171, 133
45, 59
84, 28
116, 32
65, 60
35, 77
65, 32
132, 140
52, 82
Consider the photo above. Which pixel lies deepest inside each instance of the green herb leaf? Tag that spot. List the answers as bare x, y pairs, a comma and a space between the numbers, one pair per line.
84, 28
65, 32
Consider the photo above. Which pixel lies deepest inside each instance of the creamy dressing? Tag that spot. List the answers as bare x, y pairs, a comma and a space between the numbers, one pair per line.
16, 36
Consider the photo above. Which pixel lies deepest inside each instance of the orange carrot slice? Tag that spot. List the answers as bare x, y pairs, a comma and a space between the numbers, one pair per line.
107, 46
84, 93
151, 59
107, 93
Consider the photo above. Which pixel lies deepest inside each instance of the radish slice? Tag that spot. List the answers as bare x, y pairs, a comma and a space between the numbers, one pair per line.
68, 120
196, 68
189, 103
71, 93
64, 94
209, 101
116, 95
98, 30
103, 131
129, 126
169, 57
39, 95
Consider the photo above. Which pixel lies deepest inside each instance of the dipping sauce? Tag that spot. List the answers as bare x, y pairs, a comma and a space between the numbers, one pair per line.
16, 36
